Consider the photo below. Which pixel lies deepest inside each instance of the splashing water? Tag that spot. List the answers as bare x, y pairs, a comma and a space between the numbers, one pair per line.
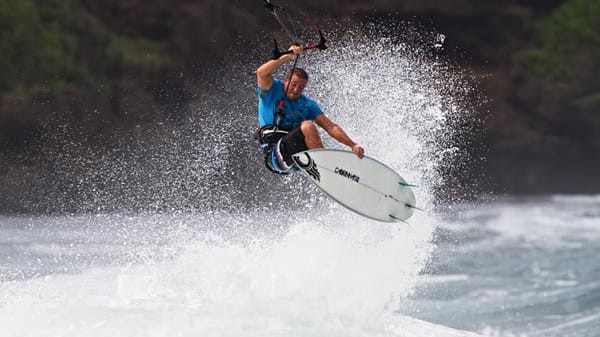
396, 101
308, 268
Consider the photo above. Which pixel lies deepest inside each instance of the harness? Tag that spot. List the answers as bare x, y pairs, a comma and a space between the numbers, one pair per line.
268, 136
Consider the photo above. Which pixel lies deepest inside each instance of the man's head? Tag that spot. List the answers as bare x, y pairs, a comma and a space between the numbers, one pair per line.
295, 83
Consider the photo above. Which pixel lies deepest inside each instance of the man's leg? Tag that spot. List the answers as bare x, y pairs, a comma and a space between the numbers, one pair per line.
296, 141
311, 135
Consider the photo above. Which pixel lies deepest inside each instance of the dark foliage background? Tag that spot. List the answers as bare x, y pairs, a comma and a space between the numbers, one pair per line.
95, 77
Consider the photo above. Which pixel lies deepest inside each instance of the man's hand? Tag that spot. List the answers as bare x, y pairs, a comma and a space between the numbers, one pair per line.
296, 50
360, 152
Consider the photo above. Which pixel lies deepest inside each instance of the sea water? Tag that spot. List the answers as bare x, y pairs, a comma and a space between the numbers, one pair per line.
523, 266
292, 262
515, 267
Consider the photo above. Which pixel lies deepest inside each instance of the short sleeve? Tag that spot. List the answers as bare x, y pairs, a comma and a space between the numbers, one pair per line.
269, 97
267, 101
314, 109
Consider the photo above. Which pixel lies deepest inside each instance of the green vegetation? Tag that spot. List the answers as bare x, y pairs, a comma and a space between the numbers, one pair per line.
569, 38
53, 43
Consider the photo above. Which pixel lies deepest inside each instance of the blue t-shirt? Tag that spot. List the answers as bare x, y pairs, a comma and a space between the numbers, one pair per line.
296, 112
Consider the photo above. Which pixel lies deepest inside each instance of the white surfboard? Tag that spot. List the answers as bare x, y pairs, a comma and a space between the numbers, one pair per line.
365, 186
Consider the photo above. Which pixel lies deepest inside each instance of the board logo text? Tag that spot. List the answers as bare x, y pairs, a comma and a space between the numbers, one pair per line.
347, 174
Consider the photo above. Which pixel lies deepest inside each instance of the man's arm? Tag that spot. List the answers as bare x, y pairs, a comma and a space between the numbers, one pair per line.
338, 134
264, 73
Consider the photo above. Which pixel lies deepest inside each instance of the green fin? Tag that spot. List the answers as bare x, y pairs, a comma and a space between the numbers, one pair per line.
397, 218
414, 207
407, 184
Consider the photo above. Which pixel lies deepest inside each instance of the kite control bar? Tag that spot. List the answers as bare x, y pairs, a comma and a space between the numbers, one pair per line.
276, 52
320, 46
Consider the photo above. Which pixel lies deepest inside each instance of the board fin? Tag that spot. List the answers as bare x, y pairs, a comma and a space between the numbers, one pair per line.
414, 207
397, 218
407, 184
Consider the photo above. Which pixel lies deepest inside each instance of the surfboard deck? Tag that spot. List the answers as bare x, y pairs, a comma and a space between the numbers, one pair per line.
365, 186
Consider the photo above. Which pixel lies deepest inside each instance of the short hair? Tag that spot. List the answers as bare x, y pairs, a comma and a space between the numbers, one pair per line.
300, 73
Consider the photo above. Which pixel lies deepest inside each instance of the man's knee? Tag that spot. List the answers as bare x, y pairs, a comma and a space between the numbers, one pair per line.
311, 135
308, 127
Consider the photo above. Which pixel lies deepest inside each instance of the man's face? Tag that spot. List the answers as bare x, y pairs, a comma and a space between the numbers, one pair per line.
296, 86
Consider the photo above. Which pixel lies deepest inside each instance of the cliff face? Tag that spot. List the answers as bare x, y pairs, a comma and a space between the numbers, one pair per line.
108, 66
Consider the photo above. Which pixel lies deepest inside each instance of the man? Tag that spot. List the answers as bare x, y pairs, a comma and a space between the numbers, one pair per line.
287, 117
